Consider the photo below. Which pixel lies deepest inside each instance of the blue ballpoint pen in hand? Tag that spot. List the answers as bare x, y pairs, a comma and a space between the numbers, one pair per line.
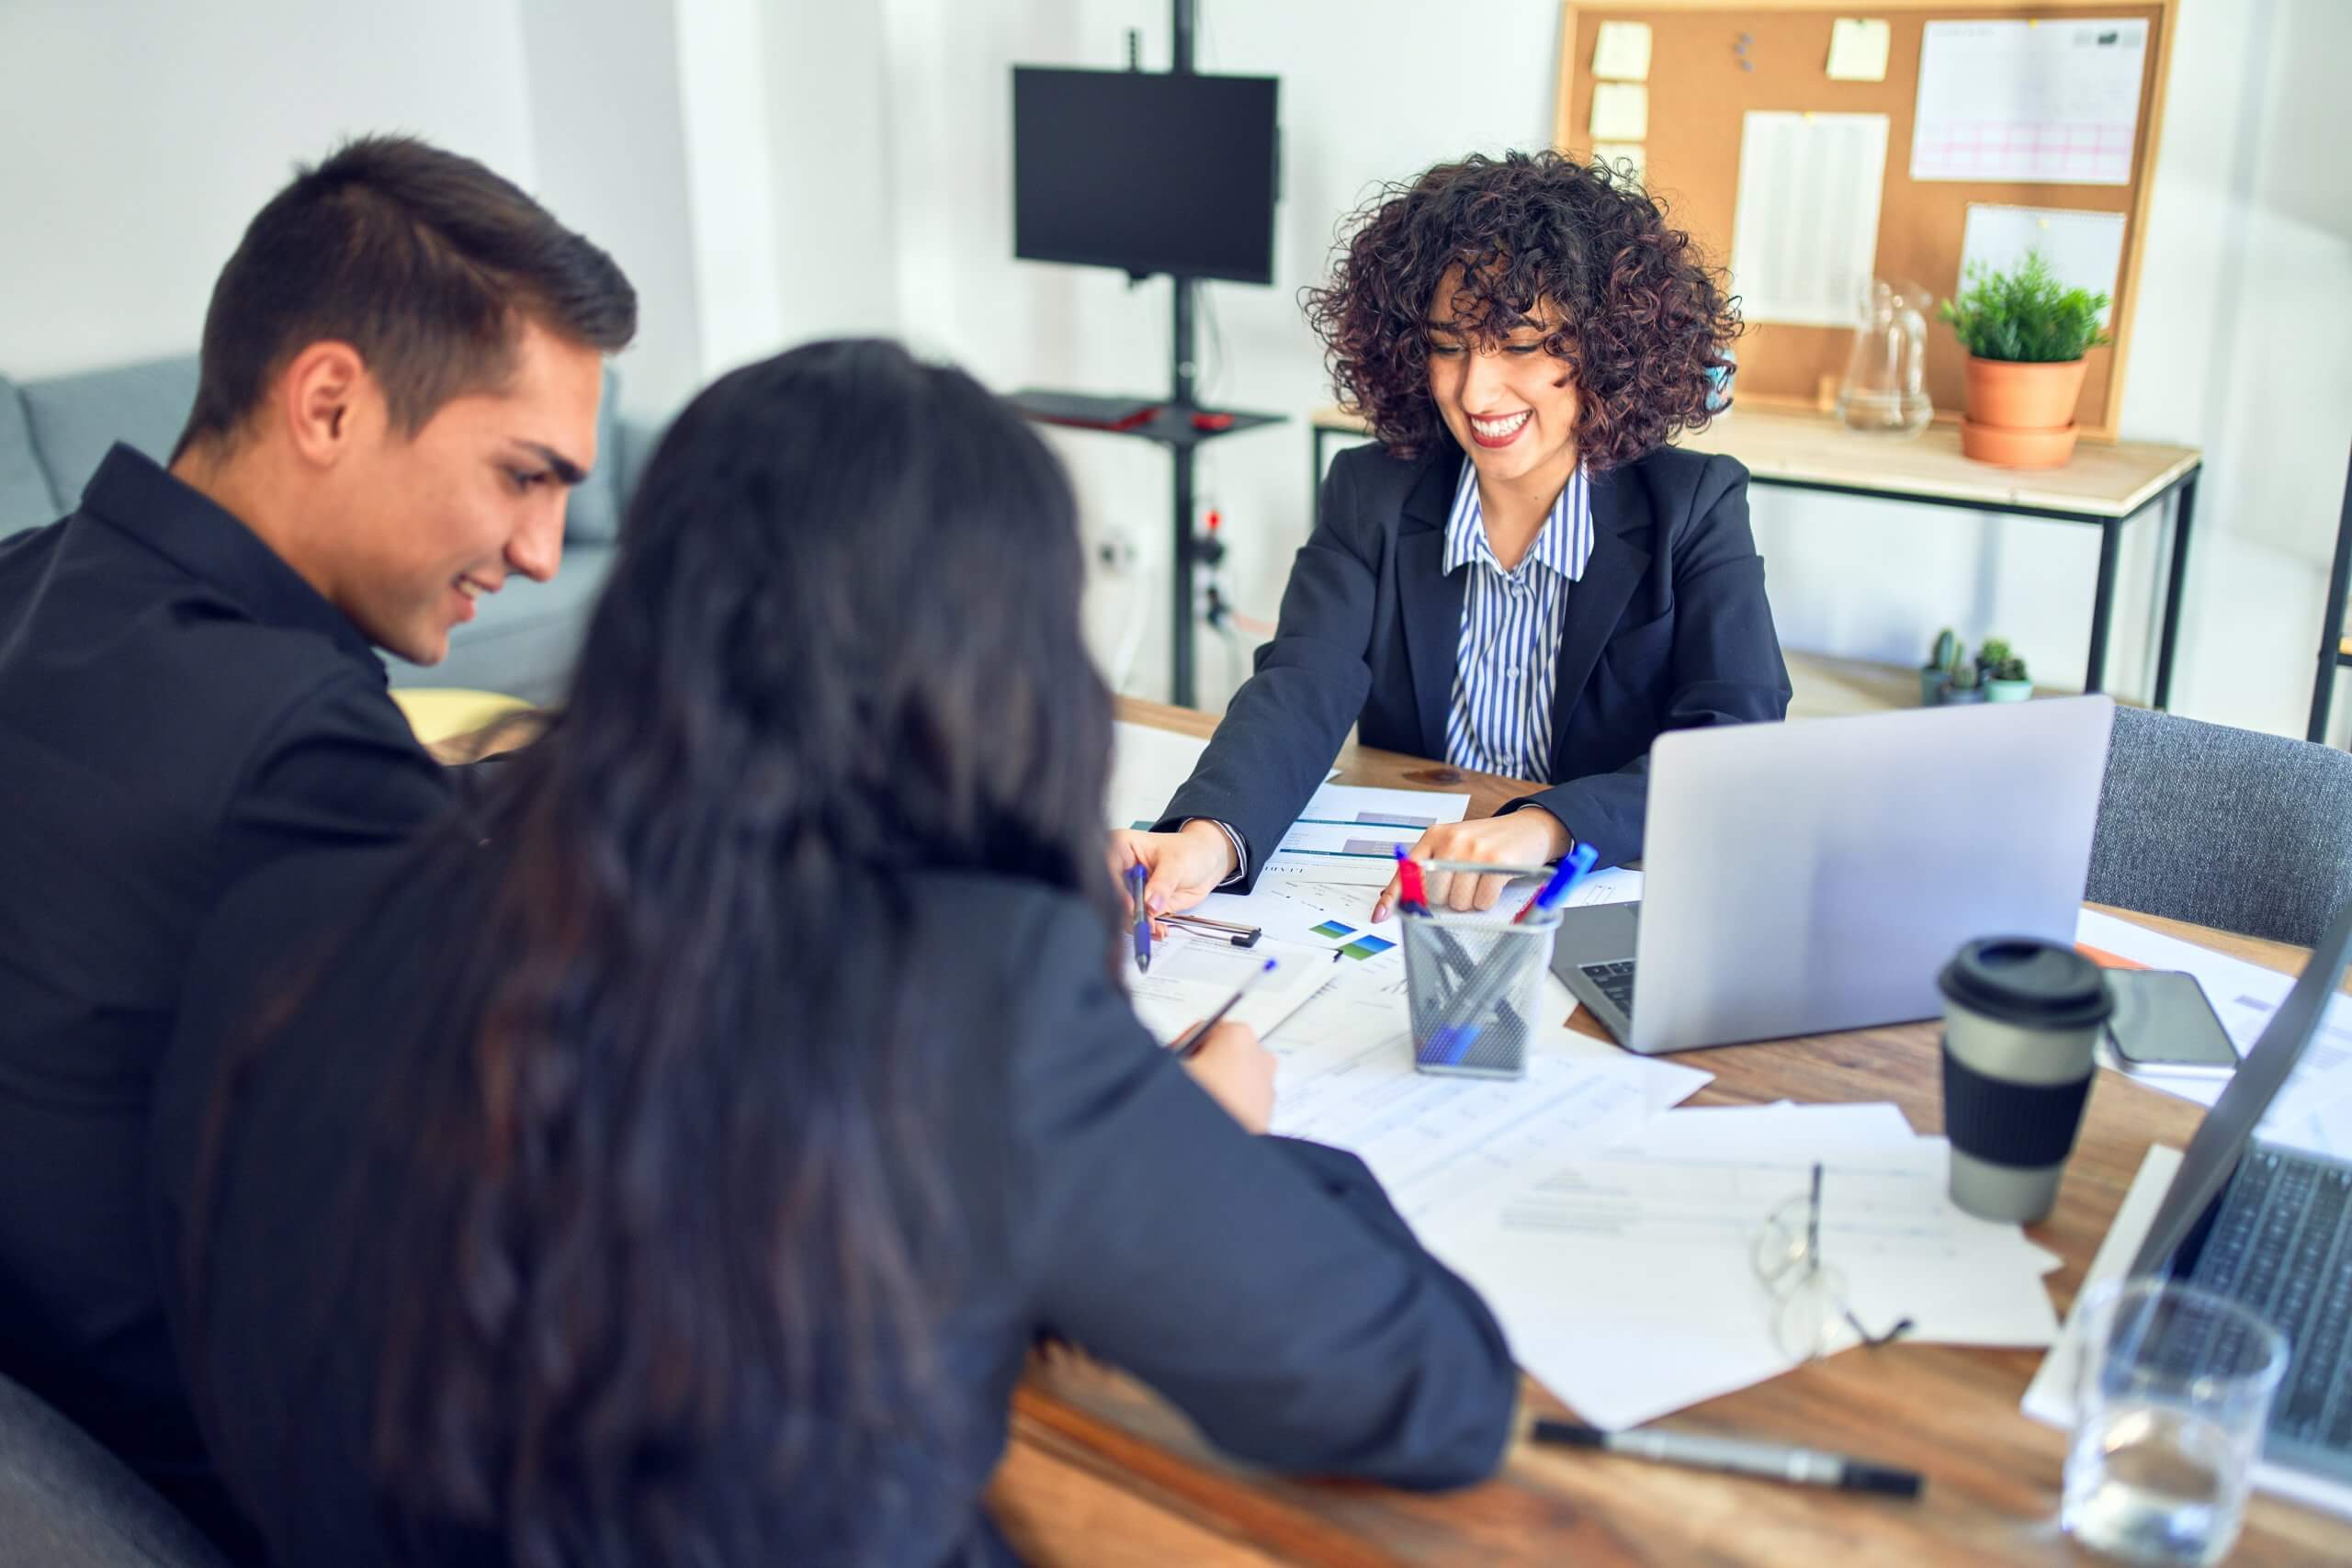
1136, 878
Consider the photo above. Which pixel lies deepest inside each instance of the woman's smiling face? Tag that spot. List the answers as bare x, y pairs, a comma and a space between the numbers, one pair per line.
1509, 404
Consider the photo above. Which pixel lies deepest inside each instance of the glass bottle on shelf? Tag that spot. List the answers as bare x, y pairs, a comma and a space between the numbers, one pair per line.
1883, 392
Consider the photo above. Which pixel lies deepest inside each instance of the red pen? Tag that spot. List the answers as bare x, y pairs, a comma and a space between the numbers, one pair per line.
1412, 892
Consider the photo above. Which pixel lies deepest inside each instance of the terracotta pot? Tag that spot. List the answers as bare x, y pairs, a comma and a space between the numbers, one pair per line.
2021, 396
2011, 448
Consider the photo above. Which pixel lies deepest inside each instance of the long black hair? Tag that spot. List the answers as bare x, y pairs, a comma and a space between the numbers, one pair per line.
665, 1150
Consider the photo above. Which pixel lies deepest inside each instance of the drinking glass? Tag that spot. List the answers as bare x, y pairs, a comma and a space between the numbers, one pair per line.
2174, 1389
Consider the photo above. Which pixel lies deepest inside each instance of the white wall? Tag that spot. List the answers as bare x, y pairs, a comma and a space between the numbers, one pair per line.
2240, 339
775, 170
1025, 323
608, 139
144, 134
833, 115
2239, 346
142, 138
730, 181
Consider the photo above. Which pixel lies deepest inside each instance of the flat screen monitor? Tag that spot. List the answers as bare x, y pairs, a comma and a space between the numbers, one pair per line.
1145, 171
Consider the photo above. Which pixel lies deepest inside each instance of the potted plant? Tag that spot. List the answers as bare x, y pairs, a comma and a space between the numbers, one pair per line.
2001, 672
1937, 670
2026, 333
1963, 687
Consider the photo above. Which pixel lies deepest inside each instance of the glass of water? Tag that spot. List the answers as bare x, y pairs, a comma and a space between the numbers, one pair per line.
2173, 1392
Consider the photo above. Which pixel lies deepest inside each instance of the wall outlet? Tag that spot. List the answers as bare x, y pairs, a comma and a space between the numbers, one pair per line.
1114, 552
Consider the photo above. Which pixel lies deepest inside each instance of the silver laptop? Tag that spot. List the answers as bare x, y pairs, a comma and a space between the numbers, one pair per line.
2271, 1228
1799, 878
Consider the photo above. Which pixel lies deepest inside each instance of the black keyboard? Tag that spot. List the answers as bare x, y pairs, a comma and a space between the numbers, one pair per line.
2282, 1245
1616, 982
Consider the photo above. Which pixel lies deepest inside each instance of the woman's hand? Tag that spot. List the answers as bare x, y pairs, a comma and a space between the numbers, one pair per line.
1238, 1072
1529, 836
1186, 866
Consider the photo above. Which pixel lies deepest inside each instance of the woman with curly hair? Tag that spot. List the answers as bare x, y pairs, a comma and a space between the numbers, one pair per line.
1522, 577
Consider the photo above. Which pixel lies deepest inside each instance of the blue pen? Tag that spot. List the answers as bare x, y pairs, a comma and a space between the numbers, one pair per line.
1485, 987
1570, 871
1136, 878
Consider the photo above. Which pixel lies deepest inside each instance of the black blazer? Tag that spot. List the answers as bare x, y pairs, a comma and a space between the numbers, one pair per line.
1264, 1285
1667, 630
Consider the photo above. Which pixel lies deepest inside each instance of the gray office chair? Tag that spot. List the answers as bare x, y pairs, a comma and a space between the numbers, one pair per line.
67, 1502
2227, 828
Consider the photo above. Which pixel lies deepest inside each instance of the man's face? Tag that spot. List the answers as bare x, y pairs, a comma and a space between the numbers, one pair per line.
426, 525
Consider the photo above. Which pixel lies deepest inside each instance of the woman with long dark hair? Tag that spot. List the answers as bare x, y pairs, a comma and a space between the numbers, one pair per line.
675, 1164
1521, 576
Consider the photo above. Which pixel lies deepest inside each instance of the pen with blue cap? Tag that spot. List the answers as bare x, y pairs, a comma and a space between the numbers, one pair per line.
1454, 1035
1569, 872
1136, 878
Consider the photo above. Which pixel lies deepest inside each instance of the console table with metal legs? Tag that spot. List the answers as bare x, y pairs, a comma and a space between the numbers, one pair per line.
2107, 486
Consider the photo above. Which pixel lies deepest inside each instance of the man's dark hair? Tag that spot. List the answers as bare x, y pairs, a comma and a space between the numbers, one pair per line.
1644, 320
425, 261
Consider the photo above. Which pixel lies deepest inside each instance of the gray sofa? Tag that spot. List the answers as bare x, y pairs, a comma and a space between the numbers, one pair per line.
522, 640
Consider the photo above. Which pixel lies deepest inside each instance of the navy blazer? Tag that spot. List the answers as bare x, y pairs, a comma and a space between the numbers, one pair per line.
1667, 630
1264, 1285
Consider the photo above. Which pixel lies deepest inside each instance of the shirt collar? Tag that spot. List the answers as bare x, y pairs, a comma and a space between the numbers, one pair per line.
135, 496
1561, 546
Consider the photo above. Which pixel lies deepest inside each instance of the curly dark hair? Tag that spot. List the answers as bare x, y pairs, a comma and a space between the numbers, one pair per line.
1641, 316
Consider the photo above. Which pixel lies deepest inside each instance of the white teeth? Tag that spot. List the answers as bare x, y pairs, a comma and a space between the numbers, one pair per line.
468, 589
1495, 429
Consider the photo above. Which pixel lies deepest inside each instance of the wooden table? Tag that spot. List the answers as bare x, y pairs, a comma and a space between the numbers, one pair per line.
1101, 1472
2106, 485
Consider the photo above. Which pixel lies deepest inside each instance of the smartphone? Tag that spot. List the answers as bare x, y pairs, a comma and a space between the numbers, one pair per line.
2163, 1022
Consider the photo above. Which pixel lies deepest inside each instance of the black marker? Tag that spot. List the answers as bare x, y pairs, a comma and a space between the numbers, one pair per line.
1775, 1462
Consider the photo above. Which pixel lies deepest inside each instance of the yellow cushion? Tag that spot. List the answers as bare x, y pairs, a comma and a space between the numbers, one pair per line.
441, 713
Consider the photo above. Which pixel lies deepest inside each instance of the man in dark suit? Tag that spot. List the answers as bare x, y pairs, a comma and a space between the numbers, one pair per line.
400, 375
1523, 578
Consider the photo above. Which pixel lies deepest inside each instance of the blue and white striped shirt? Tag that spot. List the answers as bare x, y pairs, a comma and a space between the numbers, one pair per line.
1501, 721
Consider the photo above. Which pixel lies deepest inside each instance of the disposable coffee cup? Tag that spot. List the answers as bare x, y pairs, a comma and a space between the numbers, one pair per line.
2021, 1018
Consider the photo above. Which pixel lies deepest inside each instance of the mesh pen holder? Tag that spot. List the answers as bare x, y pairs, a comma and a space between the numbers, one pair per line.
1476, 985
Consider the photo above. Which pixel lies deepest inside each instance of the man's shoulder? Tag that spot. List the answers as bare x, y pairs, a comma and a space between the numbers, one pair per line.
112, 654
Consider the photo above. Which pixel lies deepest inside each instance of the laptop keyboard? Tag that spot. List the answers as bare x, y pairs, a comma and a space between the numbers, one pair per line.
1615, 979
2281, 1244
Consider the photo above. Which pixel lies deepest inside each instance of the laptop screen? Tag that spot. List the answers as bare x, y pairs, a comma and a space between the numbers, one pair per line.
2229, 1126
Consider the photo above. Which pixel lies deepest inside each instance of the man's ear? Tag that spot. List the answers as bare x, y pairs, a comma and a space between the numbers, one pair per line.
328, 401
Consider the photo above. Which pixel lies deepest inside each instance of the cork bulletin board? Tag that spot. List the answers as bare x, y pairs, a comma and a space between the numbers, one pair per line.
1712, 62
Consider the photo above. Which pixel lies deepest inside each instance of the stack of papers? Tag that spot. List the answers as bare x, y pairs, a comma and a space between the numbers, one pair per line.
1442, 1145
1625, 1277
1312, 905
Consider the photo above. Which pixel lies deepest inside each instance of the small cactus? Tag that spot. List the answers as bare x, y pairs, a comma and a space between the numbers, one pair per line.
1946, 652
